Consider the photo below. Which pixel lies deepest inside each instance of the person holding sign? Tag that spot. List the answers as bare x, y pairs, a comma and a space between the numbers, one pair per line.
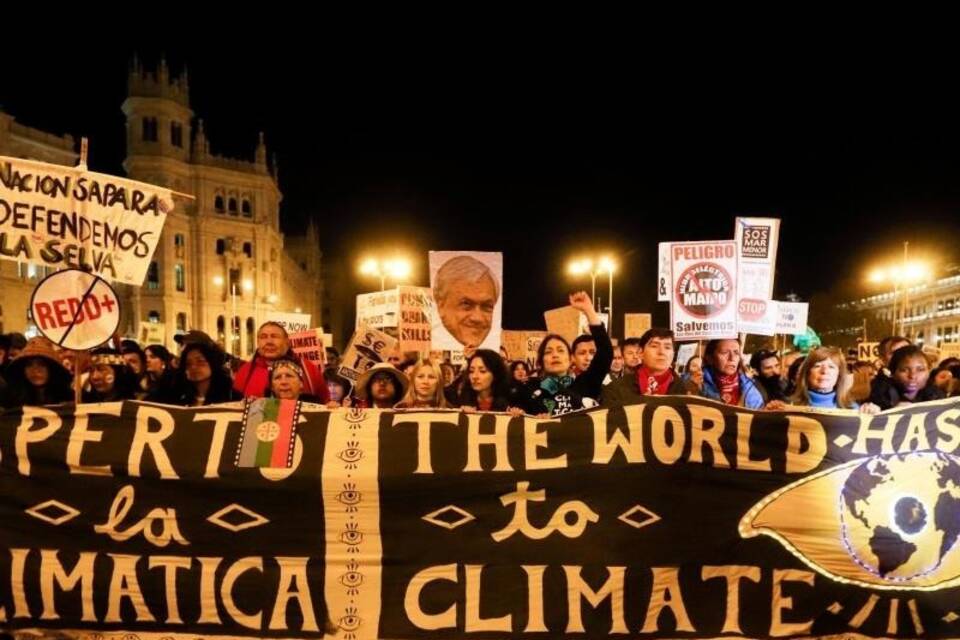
273, 343
556, 392
36, 377
725, 379
426, 390
654, 377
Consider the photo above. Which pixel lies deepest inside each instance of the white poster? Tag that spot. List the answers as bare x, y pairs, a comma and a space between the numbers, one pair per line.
685, 352
292, 322
65, 217
468, 293
757, 240
379, 309
663, 273
703, 292
792, 317
152, 333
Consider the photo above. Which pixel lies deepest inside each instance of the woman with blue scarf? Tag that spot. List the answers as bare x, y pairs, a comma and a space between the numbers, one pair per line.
555, 391
825, 383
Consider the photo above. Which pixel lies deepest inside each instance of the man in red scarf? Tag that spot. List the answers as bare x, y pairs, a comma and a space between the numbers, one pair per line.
273, 343
654, 377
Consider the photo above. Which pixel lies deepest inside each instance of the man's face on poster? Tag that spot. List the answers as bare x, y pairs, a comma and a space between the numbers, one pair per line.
467, 309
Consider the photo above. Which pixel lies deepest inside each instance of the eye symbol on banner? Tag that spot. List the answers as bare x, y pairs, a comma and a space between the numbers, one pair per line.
349, 497
349, 622
351, 536
355, 415
352, 579
894, 521
351, 455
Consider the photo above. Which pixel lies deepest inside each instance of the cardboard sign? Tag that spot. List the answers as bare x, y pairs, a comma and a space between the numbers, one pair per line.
523, 345
75, 309
152, 333
563, 321
367, 347
664, 277
379, 309
869, 351
792, 317
704, 292
636, 324
309, 345
291, 322
757, 240
67, 217
415, 319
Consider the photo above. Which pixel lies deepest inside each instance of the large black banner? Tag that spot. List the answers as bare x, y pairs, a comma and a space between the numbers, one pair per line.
678, 517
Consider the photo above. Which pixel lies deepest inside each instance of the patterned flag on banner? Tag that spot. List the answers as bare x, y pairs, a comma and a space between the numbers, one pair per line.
269, 433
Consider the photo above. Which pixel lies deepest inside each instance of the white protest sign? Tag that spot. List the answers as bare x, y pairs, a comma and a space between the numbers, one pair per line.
663, 273
75, 309
685, 352
152, 333
703, 290
792, 317
869, 351
757, 240
379, 309
291, 322
59, 217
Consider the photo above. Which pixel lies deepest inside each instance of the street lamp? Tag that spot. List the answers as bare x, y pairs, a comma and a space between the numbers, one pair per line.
604, 264
901, 275
396, 269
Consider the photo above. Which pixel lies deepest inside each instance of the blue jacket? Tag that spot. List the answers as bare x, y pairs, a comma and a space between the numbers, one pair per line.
750, 395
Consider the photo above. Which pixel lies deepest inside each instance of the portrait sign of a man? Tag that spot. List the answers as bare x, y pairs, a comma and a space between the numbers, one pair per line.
466, 291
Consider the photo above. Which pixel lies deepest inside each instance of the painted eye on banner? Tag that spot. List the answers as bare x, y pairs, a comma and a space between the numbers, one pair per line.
351, 579
349, 498
351, 454
351, 537
349, 622
888, 521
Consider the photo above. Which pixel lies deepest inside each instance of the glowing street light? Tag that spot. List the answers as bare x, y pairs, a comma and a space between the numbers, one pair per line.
604, 264
397, 269
901, 275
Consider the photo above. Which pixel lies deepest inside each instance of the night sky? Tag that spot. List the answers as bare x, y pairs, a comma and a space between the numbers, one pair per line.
546, 156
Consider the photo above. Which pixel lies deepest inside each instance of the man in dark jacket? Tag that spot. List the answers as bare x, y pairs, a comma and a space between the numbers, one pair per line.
767, 365
655, 376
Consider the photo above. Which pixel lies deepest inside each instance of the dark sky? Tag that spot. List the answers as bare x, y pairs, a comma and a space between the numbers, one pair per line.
544, 155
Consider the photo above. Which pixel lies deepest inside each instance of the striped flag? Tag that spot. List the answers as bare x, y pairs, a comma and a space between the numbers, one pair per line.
269, 433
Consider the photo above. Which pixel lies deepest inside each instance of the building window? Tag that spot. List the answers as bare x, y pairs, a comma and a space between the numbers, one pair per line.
251, 342
149, 129
221, 330
179, 277
176, 134
153, 275
218, 204
248, 249
234, 283
178, 240
154, 317
247, 209
232, 206
221, 246
181, 322
235, 338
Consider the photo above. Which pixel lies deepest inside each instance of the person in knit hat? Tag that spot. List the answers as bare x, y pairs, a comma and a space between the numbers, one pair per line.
36, 377
111, 379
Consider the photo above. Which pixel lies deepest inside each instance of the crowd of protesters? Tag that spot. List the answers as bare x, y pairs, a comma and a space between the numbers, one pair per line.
564, 378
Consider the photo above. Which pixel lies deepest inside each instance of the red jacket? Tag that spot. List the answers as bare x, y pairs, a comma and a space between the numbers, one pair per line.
253, 379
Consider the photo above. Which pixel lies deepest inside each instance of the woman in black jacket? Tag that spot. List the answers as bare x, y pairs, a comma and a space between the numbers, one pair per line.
555, 391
